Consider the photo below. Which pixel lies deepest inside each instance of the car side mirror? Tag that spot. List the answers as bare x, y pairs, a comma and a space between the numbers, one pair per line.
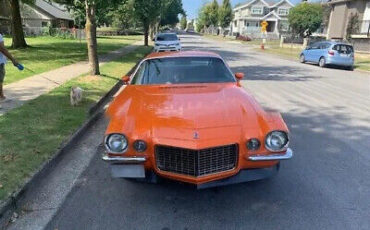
239, 76
126, 80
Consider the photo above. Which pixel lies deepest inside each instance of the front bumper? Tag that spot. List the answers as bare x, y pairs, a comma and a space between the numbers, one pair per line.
273, 157
133, 167
123, 160
166, 48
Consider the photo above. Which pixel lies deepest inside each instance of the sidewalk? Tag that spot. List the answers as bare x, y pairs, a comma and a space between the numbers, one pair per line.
27, 89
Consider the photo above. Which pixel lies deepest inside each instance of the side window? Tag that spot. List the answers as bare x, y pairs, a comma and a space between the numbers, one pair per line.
324, 45
137, 79
315, 46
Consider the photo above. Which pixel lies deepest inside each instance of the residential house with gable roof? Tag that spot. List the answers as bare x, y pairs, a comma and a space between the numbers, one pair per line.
248, 17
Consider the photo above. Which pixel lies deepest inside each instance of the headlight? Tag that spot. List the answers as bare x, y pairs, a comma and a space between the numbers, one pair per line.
253, 144
276, 141
140, 146
116, 143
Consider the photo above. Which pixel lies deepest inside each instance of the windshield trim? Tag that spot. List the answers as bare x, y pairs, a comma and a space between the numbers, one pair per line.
195, 56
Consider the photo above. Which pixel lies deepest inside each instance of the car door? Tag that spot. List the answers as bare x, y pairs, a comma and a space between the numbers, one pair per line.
311, 53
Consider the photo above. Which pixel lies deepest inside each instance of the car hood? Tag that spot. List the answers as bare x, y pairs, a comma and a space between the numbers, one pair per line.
184, 113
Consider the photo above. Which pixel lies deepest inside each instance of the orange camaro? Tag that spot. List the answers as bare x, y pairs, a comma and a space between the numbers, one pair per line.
184, 116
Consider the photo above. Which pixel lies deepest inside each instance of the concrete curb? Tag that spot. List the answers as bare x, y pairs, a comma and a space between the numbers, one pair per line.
11, 204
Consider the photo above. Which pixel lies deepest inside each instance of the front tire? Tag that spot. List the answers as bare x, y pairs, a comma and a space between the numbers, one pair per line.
350, 68
322, 62
302, 59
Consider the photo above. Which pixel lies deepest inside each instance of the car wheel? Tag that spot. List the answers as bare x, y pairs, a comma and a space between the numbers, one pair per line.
322, 62
350, 68
302, 59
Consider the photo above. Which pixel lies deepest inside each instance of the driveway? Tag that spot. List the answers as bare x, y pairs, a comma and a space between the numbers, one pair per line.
325, 186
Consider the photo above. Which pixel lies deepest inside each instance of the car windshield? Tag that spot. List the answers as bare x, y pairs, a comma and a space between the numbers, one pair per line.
167, 37
182, 70
345, 49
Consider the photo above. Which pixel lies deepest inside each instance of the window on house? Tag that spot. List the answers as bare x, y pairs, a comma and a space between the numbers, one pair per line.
257, 24
257, 10
236, 23
44, 24
283, 11
247, 24
284, 26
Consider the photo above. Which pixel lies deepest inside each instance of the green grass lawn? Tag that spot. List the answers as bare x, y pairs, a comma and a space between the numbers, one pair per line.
48, 53
30, 134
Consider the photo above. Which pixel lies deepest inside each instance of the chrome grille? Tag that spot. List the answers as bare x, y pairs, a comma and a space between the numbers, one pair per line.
196, 162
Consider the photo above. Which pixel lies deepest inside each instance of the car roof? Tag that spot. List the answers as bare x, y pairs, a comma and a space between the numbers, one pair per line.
334, 42
183, 54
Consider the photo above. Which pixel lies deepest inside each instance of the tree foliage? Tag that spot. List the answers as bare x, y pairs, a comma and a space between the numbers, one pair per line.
183, 22
103, 7
170, 9
213, 13
208, 15
305, 18
147, 12
353, 25
225, 14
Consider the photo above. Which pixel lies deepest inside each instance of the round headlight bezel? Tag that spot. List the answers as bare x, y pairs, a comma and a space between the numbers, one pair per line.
249, 143
139, 143
109, 147
277, 132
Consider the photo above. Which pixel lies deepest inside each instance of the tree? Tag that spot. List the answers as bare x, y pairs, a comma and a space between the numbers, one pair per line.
148, 12
91, 8
92, 43
183, 22
213, 13
122, 16
305, 18
170, 9
225, 14
18, 40
207, 16
353, 25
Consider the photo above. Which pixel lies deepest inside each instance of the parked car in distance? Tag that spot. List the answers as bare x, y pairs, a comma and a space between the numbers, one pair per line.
184, 116
329, 53
167, 42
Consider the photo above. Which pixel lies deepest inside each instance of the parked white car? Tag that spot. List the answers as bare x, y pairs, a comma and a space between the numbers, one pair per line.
166, 42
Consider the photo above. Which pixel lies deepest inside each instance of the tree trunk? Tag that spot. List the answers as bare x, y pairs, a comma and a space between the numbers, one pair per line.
17, 27
146, 34
92, 44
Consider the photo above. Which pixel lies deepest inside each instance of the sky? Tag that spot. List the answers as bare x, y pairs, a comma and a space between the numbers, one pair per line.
192, 6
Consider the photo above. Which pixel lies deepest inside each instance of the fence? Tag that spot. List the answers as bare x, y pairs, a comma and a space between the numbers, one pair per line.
55, 32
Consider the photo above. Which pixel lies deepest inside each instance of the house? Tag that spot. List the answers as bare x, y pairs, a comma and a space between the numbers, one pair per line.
345, 13
248, 17
38, 15
340, 16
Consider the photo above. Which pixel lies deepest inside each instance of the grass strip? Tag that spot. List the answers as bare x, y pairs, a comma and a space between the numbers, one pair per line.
47, 53
30, 134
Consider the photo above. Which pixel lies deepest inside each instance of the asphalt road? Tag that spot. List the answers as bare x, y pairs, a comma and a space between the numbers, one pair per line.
325, 186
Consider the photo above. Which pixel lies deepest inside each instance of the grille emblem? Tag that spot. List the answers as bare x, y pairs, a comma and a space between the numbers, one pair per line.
196, 135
